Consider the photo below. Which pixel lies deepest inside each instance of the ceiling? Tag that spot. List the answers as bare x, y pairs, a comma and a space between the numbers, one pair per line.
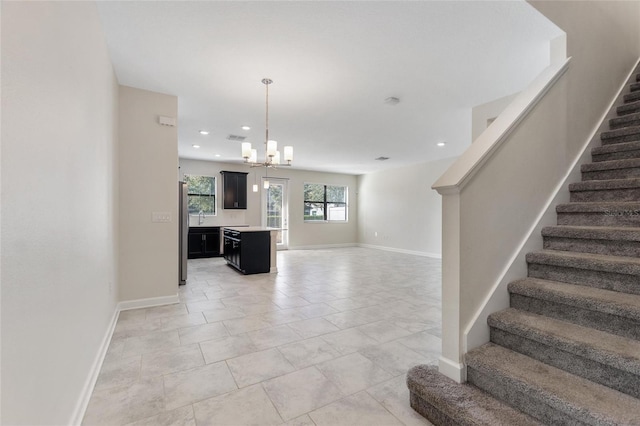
333, 65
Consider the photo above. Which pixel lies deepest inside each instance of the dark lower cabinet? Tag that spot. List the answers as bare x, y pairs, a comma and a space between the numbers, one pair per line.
204, 242
248, 252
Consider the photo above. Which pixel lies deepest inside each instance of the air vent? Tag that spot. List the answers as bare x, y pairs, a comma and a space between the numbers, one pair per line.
236, 138
382, 158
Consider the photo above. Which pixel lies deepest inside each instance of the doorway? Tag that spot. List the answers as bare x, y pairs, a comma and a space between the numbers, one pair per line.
275, 210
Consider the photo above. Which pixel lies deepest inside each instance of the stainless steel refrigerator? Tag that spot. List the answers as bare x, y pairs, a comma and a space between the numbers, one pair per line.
183, 232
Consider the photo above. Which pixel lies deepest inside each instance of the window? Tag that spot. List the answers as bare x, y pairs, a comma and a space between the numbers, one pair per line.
202, 194
325, 203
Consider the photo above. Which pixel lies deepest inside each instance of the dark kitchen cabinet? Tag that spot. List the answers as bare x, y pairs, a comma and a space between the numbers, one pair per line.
248, 252
204, 241
234, 188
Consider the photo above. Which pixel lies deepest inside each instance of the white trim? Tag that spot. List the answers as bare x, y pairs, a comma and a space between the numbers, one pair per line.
148, 303
323, 246
454, 370
472, 160
397, 250
92, 378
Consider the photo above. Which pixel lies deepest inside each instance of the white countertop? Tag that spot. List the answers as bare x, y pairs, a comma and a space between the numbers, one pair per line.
250, 228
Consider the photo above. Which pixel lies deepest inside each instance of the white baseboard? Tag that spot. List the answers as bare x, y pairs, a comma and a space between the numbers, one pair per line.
147, 303
453, 370
92, 378
323, 246
403, 251
87, 390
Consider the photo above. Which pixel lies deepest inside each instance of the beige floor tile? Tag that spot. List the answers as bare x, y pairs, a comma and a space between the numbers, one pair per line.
383, 331
187, 387
300, 392
355, 410
259, 366
225, 348
348, 341
283, 316
205, 305
353, 373
150, 342
345, 320
394, 357
181, 321
124, 404
245, 324
308, 352
202, 333
171, 360
259, 308
182, 416
394, 396
248, 406
166, 311
273, 336
313, 327
118, 372
317, 310
425, 344
301, 421
223, 314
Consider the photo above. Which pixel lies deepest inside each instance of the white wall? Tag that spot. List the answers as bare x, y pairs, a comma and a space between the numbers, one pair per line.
59, 206
480, 114
301, 234
400, 206
148, 162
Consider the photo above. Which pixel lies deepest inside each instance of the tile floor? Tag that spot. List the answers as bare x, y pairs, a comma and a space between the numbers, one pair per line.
326, 341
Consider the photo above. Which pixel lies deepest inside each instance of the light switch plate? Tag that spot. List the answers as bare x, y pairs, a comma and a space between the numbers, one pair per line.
160, 217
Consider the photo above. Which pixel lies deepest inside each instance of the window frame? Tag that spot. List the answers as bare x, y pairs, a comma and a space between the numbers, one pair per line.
214, 186
325, 203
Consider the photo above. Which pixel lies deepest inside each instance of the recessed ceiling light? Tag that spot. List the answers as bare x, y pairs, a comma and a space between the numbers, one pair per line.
196, 146
204, 132
217, 155
441, 144
245, 127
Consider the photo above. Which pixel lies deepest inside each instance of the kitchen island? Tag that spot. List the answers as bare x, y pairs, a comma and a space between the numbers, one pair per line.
251, 250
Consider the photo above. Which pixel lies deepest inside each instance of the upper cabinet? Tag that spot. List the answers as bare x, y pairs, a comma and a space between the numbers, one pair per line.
234, 186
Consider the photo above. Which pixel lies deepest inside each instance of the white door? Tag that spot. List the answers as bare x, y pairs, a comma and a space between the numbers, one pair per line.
275, 209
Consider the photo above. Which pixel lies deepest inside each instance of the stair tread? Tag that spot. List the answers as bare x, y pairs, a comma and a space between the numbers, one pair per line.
611, 165
593, 232
628, 107
592, 298
616, 147
605, 184
624, 120
606, 348
582, 399
624, 131
600, 207
463, 403
591, 261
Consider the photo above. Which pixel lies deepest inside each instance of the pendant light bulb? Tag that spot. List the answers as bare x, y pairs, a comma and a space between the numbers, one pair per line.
266, 184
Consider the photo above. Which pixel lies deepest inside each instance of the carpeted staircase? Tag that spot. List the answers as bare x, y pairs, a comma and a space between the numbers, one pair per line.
567, 351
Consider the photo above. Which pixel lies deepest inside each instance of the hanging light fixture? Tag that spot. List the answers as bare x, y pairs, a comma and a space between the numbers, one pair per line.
272, 155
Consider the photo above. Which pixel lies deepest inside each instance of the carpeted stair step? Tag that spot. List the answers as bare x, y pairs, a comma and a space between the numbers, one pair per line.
619, 151
633, 96
618, 273
612, 169
599, 356
547, 393
612, 241
599, 214
445, 402
634, 87
625, 134
630, 108
604, 310
625, 121
605, 190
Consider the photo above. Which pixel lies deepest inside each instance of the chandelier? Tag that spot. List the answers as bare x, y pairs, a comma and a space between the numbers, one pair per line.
272, 155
